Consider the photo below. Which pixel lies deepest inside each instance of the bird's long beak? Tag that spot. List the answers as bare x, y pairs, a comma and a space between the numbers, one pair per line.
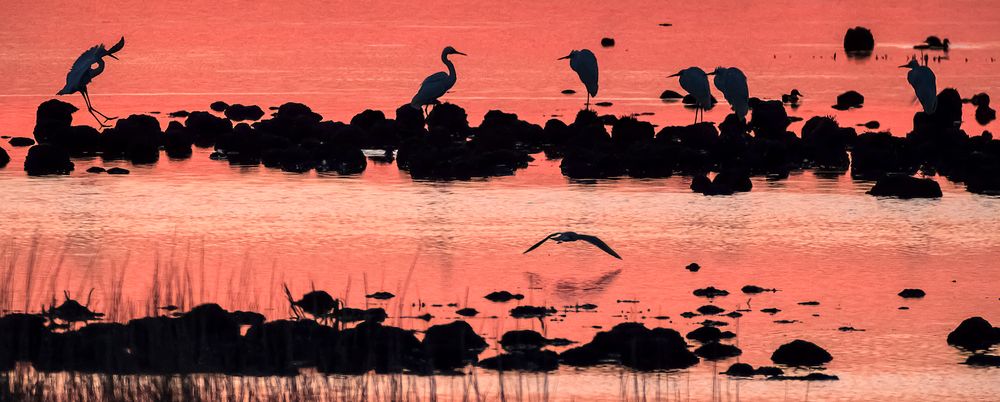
904, 66
463, 54
674, 75
565, 57
113, 56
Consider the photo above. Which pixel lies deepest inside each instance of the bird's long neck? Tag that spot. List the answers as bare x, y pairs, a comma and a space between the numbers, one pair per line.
451, 66
99, 69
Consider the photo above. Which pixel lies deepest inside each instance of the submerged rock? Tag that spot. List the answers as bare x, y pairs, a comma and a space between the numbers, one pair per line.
912, 293
21, 142
849, 100
238, 112
717, 351
634, 346
974, 334
801, 353
859, 39
710, 292
983, 360
503, 296
906, 187
529, 360
452, 346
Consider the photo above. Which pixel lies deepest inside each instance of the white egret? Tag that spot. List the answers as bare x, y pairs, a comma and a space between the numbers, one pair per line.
924, 84
733, 85
585, 64
437, 84
561, 237
695, 81
83, 72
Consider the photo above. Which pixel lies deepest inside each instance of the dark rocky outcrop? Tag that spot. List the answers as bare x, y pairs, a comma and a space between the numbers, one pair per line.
634, 346
859, 40
906, 187
46, 159
912, 293
801, 353
974, 334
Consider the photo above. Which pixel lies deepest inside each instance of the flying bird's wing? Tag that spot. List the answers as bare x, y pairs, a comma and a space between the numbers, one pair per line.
600, 244
540, 243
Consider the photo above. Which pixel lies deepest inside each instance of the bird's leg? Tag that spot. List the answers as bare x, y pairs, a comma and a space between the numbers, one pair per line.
87, 95
91, 110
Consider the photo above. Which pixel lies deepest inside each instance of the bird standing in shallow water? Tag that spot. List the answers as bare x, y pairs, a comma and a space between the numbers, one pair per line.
437, 84
83, 72
585, 64
924, 85
561, 237
733, 84
695, 81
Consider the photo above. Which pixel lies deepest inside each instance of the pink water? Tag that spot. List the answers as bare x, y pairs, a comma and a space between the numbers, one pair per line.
241, 232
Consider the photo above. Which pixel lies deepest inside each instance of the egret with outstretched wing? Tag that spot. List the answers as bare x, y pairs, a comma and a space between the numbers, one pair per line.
561, 237
83, 72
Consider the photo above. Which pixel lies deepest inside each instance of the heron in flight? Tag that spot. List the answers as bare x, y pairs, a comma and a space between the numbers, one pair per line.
695, 81
733, 85
585, 64
924, 84
561, 237
83, 71
437, 84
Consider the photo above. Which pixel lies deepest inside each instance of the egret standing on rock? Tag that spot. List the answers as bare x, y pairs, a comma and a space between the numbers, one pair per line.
924, 84
437, 84
83, 72
695, 82
585, 64
733, 85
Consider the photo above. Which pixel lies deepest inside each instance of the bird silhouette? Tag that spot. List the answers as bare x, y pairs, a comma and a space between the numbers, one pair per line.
585, 64
792, 97
561, 237
83, 72
437, 84
733, 84
924, 84
694, 80
934, 43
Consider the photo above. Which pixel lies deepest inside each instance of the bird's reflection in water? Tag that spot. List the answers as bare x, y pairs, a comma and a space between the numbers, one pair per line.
573, 289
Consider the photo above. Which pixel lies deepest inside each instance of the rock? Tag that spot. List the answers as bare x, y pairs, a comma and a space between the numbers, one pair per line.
768, 371
634, 346
607, 42
467, 312
177, 141
137, 138
531, 311
770, 310
769, 119
701, 184
912, 293
521, 340
21, 142
734, 180
693, 267
717, 351
118, 170
826, 143
807, 377
740, 370
705, 334
801, 353
754, 289
710, 292
380, 296
95, 169
849, 100
52, 122
531, 360
906, 187
452, 346
809, 303
4, 158
503, 296
710, 309
373, 346
974, 334
206, 128
45, 159
859, 39
219, 106
21, 336
671, 95
568, 92
180, 114
874, 155
238, 112
983, 360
